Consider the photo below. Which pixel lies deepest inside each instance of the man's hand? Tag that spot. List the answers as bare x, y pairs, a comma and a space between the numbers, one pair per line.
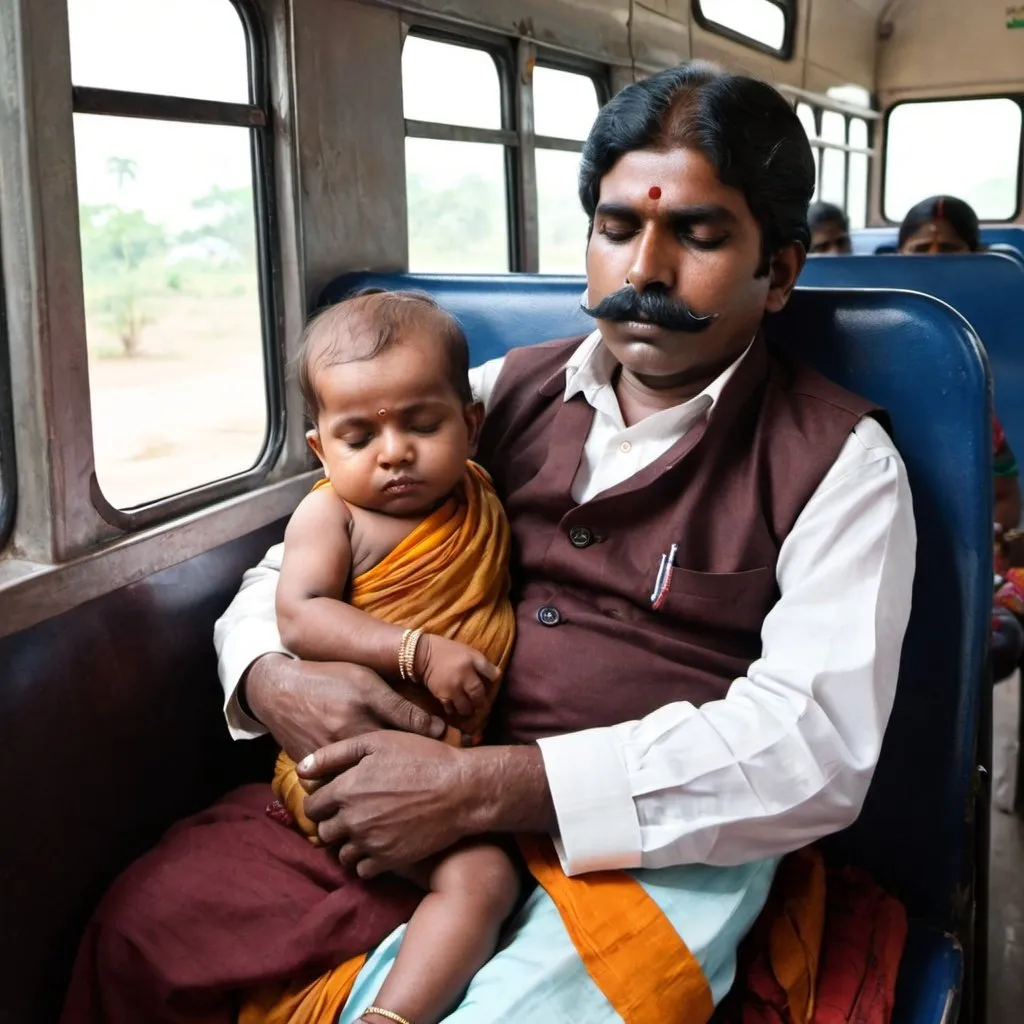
397, 798
308, 705
455, 674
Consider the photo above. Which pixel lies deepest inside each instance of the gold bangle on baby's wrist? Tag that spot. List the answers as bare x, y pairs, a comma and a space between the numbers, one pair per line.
387, 1015
407, 654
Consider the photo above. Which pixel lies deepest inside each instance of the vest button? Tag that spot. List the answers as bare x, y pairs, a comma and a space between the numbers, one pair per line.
580, 537
548, 616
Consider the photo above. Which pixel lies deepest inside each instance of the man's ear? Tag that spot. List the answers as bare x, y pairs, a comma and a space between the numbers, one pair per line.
474, 416
313, 440
783, 271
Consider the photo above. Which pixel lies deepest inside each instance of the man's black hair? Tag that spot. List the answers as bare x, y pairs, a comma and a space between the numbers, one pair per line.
821, 214
743, 126
960, 216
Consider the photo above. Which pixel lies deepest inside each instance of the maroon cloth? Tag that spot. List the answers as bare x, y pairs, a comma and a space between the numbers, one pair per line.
228, 899
861, 947
727, 495
231, 898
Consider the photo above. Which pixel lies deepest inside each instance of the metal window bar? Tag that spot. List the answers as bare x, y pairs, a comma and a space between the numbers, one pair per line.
115, 103
255, 118
846, 165
461, 133
8, 468
818, 102
527, 223
842, 147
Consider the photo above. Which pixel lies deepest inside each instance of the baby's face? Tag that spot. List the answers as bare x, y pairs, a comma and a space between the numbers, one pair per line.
392, 434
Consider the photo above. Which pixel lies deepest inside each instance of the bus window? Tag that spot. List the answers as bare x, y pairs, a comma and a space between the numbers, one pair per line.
565, 104
857, 183
170, 261
966, 148
766, 24
455, 186
806, 116
108, 48
832, 188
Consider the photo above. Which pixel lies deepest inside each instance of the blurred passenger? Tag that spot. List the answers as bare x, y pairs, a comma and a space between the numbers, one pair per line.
944, 225
830, 230
939, 226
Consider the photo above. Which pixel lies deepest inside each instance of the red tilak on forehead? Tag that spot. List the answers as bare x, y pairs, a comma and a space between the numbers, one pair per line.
654, 192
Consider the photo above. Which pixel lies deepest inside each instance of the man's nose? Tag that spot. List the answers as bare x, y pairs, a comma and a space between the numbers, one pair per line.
651, 263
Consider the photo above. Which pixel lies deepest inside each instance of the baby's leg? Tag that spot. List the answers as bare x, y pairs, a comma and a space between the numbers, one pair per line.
472, 889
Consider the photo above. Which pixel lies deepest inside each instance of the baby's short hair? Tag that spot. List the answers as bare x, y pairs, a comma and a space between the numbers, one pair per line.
377, 318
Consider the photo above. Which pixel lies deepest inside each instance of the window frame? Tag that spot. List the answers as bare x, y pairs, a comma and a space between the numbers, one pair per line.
514, 60
8, 465
818, 105
501, 51
256, 117
1017, 98
600, 79
784, 52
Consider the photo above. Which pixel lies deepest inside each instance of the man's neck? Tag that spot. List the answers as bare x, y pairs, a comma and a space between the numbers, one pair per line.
640, 396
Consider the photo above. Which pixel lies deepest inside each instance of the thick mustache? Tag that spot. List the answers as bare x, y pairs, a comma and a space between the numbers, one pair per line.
655, 307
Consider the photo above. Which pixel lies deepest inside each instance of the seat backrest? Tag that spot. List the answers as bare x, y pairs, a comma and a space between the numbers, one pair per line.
1005, 249
497, 311
986, 288
868, 241
920, 359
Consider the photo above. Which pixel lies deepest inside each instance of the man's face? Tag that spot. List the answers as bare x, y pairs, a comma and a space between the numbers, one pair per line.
830, 238
665, 223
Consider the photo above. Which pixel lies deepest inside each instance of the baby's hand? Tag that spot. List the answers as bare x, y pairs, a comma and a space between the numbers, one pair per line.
455, 674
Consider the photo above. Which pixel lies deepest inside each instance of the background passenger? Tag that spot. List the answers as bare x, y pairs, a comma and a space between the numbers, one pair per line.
943, 225
1007, 480
830, 230
939, 226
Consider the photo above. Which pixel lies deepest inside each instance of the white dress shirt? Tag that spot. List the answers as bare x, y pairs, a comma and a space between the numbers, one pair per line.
787, 755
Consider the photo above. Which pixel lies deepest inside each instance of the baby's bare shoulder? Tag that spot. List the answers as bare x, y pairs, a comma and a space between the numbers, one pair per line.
320, 510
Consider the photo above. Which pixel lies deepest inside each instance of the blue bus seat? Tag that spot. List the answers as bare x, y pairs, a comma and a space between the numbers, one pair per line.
1005, 249
921, 360
869, 241
986, 288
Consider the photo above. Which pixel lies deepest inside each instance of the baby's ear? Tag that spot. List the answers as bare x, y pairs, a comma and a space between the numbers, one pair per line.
313, 440
474, 416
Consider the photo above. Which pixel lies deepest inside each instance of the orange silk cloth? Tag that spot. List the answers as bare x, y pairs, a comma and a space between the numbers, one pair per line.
450, 577
317, 1002
630, 949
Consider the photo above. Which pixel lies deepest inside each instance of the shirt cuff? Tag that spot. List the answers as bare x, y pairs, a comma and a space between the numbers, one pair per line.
244, 644
597, 821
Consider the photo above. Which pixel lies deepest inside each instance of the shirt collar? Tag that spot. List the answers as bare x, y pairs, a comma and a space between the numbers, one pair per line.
591, 366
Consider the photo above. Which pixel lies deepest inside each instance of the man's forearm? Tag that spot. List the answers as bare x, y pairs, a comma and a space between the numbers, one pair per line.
508, 791
260, 684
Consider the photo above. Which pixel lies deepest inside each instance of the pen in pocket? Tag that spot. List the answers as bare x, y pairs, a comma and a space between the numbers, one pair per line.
663, 580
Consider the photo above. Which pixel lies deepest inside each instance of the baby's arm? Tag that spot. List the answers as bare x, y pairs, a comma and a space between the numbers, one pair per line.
313, 618
317, 624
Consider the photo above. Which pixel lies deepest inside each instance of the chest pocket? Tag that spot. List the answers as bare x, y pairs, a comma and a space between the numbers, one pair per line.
724, 600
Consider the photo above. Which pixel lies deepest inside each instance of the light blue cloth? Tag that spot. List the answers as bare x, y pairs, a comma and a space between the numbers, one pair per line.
536, 975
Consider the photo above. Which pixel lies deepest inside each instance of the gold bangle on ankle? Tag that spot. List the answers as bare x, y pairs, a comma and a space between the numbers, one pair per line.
387, 1014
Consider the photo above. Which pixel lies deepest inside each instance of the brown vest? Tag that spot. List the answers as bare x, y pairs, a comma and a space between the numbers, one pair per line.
590, 650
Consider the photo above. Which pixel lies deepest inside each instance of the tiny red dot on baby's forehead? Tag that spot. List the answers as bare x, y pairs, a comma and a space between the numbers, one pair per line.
655, 192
